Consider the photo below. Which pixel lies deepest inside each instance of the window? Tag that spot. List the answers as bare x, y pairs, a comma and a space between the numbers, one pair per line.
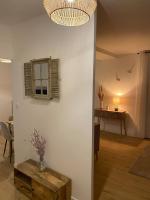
42, 79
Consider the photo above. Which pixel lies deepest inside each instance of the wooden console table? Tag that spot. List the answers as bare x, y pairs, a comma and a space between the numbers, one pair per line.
116, 115
36, 185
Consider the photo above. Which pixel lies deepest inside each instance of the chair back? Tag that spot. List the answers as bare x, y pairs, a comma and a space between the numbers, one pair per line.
10, 118
5, 132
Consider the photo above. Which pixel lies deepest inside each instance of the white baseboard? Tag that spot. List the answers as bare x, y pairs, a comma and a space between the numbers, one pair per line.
73, 198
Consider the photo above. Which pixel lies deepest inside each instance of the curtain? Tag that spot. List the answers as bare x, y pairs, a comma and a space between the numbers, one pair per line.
142, 96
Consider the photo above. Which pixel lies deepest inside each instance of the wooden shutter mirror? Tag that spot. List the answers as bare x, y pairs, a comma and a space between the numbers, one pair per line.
54, 73
42, 78
28, 78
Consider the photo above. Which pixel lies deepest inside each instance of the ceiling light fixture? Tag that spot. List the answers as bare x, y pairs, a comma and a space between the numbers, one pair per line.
70, 12
5, 60
70, 1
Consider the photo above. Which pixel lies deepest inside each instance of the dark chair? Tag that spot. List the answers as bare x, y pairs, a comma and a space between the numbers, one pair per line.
96, 139
5, 132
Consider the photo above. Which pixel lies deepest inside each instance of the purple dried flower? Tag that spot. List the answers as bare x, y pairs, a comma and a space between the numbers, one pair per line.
39, 143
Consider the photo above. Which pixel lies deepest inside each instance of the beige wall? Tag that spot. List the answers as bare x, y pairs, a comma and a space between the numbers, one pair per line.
6, 50
5, 91
67, 124
125, 88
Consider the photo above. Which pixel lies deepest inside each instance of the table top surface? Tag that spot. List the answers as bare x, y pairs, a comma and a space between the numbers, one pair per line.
112, 111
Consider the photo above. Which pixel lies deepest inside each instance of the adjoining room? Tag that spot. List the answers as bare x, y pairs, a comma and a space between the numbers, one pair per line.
122, 96
6, 127
51, 45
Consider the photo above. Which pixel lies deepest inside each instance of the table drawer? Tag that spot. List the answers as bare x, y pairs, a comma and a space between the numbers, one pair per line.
23, 187
42, 193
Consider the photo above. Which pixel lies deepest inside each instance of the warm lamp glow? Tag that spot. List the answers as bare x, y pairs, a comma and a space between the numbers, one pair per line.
116, 100
119, 94
70, 1
70, 12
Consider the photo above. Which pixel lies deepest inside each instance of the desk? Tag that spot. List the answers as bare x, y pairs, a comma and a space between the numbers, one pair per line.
115, 115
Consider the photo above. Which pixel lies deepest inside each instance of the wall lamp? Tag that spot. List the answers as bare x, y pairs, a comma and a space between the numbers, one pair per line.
3, 60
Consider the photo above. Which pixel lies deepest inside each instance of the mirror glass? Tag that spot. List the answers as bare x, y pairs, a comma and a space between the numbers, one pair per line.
41, 78
44, 71
37, 71
45, 87
38, 89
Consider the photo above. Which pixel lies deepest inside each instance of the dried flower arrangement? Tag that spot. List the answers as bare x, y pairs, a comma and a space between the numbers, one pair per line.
39, 143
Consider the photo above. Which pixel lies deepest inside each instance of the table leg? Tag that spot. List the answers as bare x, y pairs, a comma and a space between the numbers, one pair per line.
5, 148
121, 126
10, 150
124, 125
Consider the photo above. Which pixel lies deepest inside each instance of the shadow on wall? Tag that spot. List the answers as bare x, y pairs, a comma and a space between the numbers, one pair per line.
132, 129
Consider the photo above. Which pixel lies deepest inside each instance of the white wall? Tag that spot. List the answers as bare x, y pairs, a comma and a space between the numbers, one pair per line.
106, 76
5, 91
6, 50
67, 124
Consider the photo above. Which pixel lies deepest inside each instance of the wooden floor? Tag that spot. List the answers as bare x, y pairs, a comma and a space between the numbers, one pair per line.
7, 189
112, 179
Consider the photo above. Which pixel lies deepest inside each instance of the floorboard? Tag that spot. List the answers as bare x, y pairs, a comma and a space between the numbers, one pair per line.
7, 189
112, 179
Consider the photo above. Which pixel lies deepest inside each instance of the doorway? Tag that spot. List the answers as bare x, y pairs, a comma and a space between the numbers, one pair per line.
122, 111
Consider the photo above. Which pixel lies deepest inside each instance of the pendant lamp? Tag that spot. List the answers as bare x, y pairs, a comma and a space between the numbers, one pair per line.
70, 12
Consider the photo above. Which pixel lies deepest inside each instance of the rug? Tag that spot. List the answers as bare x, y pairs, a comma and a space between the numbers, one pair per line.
142, 165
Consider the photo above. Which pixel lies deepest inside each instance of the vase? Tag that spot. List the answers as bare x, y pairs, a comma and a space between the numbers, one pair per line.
42, 165
101, 105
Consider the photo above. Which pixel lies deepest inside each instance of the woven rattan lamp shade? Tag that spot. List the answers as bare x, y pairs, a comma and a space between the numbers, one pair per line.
70, 12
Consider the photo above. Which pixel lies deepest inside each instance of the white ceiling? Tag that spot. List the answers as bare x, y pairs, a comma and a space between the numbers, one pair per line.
16, 11
123, 26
